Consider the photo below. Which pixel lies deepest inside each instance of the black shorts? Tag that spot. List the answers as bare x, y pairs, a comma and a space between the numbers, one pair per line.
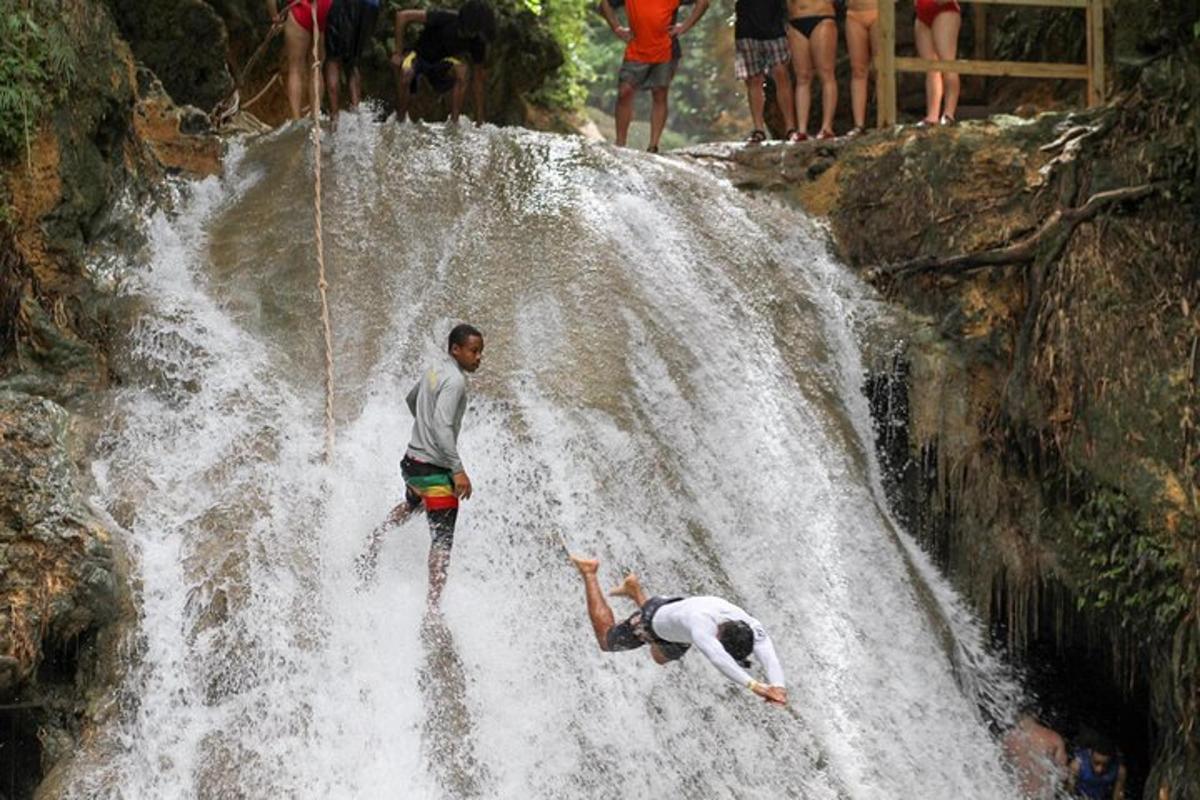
637, 631
351, 26
440, 74
425, 486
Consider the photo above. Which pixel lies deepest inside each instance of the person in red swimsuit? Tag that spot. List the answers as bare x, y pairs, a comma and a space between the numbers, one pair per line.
937, 25
297, 22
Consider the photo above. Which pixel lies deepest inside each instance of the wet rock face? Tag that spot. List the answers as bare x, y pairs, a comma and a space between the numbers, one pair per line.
57, 573
183, 41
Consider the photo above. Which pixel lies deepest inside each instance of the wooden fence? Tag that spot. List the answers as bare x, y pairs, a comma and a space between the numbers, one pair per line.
889, 64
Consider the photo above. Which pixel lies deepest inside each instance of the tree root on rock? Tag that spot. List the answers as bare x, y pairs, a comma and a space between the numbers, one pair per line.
1057, 229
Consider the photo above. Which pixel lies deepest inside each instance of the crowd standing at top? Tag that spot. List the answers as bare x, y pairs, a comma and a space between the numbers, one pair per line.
790, 40
449, 53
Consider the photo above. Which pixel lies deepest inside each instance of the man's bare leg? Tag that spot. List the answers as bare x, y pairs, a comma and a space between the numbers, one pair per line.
598, 611
368, 560
631, 588
459, 92
439, 565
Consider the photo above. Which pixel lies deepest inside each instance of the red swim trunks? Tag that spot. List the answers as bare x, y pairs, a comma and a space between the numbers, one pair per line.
927, 10
302, 13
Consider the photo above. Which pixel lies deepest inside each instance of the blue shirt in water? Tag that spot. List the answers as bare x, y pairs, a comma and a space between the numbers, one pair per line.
1089, 784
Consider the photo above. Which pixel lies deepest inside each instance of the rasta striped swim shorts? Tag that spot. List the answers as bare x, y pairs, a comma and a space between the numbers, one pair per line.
431, 487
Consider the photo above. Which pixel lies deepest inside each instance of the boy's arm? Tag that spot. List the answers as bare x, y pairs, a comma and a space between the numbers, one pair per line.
610, 16
403, 18
697, 12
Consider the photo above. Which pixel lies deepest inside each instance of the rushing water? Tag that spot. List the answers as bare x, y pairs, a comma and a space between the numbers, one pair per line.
670, 381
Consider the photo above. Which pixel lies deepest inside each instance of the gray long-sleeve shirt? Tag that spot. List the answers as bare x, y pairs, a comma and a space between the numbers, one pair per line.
438, 402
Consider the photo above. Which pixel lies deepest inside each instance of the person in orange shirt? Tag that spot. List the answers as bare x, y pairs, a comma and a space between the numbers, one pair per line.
649, 57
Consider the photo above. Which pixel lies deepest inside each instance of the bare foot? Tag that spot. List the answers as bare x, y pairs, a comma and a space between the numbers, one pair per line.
587, 566
627, 588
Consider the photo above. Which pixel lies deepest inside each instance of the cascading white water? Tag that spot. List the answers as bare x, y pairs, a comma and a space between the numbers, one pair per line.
670, 380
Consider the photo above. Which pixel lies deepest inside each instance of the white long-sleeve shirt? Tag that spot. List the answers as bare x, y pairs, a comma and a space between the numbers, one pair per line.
694, 620
437, 403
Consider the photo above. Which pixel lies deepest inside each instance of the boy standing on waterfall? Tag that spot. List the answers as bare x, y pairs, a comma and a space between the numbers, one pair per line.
434, 476
650, 57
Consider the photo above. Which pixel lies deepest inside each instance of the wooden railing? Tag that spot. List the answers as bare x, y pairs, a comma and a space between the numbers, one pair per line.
889, 64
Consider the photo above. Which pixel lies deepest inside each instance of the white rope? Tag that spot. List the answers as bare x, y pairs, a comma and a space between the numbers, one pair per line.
322, 285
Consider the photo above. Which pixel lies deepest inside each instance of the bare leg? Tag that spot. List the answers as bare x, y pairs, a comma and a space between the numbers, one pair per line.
403, 84
598, 610
658, 114
439, 565
367, 561
355, 88
802, 64
858, 42
625, 95
933, 80
631, 587
945, 42
783, 94
824, 53
757, 96
297, 43
459, 92
333, 79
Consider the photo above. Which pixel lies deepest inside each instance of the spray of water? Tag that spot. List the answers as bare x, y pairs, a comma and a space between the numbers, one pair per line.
671, 382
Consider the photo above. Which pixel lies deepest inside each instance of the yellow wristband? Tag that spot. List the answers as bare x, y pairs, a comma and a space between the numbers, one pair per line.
752, 685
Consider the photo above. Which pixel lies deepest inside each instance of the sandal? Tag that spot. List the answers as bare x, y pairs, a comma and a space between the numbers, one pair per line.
823, 135
797, 136
947, 120
927, 123
652, 149
857, 130
756, 137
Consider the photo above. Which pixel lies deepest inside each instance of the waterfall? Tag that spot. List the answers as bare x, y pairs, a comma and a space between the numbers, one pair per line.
671, 381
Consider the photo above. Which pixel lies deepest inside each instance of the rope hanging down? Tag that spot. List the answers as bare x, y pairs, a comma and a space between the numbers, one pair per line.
322, 286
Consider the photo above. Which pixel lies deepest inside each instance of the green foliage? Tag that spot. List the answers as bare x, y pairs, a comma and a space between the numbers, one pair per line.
37, 66
1133, 574
567, 21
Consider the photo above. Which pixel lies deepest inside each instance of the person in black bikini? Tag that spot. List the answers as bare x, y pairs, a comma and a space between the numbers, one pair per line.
812, 35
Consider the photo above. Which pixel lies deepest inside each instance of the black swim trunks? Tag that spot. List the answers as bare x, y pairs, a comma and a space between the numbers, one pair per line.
432, 487
351, 25
637, 631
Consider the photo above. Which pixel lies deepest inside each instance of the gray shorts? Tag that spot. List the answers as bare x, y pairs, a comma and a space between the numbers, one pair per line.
642, 76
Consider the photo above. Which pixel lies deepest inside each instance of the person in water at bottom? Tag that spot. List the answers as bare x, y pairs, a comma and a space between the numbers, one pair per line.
724, 633
434, 476
1097, 772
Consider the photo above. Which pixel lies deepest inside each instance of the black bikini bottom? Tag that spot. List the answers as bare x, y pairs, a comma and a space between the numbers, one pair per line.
806, 25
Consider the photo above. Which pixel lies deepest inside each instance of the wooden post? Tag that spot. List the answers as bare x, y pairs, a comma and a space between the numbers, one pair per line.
981, 46
1095, 47
885, 75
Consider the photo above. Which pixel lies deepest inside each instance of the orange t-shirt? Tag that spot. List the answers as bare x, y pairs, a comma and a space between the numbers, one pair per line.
649, 21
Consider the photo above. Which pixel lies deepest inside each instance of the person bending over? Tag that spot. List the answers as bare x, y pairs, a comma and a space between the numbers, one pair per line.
448, 41
724, 633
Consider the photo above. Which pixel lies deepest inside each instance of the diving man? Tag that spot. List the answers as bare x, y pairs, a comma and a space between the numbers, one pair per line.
434, 477
724, 633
